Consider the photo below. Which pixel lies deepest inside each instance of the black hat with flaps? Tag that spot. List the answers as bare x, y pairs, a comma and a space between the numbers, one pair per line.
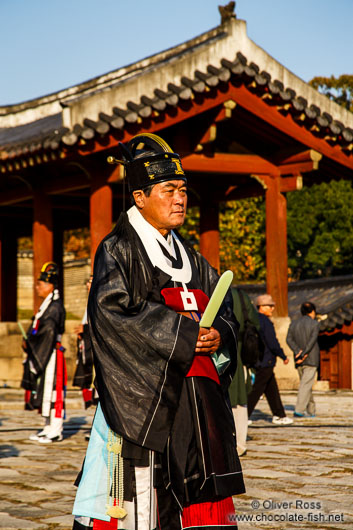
148, 159
49, 273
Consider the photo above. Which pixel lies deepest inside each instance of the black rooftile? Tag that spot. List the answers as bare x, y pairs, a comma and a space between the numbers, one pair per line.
155, 103
39, 134
142, 110
129, 116
210, 79
170, 98
241, 58
236, 67
347, 135
223, 74
114, 121
21, 133
102, 127
181, 91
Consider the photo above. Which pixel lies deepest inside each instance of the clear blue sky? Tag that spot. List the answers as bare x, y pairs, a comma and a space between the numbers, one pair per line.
48, 45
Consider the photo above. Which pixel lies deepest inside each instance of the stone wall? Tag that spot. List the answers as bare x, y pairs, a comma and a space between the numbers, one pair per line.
76, 274
25, 280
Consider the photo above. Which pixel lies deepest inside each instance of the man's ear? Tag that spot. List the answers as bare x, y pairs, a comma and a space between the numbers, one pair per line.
139, 198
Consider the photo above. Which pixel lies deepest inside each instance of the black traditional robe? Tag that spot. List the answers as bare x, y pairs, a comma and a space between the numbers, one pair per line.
41, 342
143, 351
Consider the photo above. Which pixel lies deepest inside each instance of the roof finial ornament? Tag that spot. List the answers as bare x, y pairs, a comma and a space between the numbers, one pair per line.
227, 12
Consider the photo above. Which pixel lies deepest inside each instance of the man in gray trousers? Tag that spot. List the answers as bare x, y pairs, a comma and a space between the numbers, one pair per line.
302, 339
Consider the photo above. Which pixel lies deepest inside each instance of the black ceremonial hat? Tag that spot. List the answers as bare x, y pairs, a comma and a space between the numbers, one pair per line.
148, 159
49, 273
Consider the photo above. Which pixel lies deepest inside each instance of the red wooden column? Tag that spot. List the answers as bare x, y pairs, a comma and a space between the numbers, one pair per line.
276, 246
42, 236
8, 275
209, 232
101, 212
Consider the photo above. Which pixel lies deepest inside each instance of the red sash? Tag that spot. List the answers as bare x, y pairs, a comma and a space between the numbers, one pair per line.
202, 365
61, 379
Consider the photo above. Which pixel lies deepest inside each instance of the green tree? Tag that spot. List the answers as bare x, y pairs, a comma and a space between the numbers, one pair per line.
78, 241
320, 230
242, 243
242, 237
338, 89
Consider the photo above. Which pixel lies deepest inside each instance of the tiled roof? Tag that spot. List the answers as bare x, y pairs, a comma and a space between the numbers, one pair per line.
49, 134
333, 298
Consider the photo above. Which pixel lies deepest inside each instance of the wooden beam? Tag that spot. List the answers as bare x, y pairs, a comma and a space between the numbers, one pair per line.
101, 213
276, 247
296, 169
14, 196
291, 183
303, 162
228, 163
42, 237
308, 156
65, 184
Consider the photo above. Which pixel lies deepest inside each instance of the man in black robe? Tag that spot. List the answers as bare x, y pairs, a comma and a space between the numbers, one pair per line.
44, 376
160, 394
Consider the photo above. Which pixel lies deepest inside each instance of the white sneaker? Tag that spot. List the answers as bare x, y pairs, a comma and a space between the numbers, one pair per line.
36, 437
47, 440
282, 421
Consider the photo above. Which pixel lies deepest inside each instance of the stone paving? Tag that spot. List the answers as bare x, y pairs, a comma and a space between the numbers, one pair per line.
298, 476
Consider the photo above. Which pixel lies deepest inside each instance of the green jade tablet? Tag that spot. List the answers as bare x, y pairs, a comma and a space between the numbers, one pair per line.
216, 299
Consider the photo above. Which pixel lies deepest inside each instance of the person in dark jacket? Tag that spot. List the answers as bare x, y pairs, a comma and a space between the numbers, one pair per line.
265, 381
302, 339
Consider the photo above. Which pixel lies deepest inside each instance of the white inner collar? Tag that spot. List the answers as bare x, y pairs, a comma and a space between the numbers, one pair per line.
150, 237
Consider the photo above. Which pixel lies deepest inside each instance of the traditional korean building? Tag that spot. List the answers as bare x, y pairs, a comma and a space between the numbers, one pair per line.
243, 124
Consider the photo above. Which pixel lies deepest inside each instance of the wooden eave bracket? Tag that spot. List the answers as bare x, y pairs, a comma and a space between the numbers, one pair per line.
303, 162
211, 134
291, 183
209, 137
261, 179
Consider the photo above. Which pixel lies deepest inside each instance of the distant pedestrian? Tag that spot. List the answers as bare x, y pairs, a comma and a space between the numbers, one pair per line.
302, 339
44, 377
265, 381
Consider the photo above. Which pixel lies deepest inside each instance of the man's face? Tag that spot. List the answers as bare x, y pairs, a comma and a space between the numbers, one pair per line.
165, 208
267, 310
44, 288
